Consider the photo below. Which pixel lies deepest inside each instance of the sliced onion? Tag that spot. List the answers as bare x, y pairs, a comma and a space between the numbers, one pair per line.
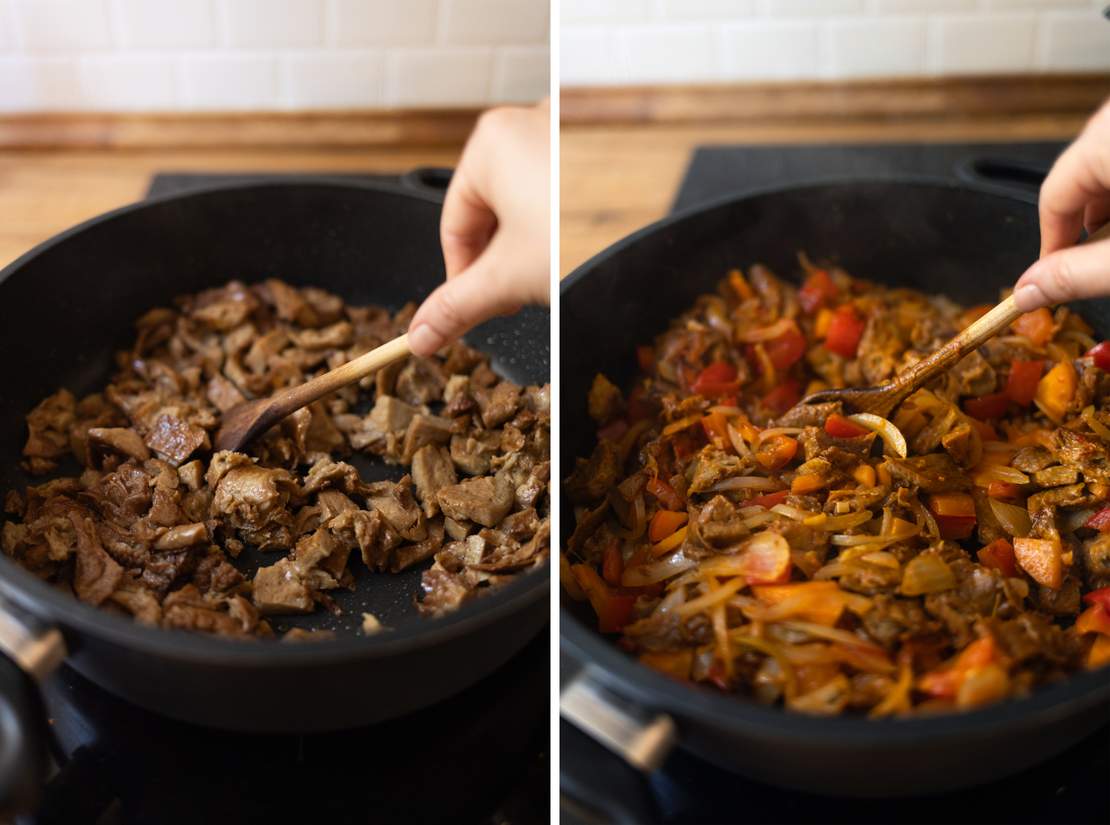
739, 444
882, 559
681, 424
927, 573
751, 510
820, 631
712, 598
828, 523
746, 483
1014, 520
1085, 341
764, 557
876, 542
642, 575
1097, 427
1003, 472
723, 410
767, 333
637, 520
756, 519
791, 512
892, 437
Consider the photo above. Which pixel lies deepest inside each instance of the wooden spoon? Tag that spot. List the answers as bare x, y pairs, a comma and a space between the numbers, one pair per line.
243, 422
882, 400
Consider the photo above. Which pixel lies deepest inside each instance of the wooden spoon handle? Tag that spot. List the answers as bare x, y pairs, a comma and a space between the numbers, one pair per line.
981, 330
300, 396
970, 338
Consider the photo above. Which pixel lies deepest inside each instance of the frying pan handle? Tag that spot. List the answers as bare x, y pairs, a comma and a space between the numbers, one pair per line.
1021, 176
431, 180
606, 749
30, 652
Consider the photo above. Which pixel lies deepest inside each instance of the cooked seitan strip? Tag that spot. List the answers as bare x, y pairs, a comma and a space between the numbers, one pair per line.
484, 500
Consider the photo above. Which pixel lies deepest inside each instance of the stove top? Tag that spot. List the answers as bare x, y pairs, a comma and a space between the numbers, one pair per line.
478, 757
1074, 787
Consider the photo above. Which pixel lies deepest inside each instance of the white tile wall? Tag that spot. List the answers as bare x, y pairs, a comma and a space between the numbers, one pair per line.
517, 72
259, 55
439, 77
982, 43
613, 42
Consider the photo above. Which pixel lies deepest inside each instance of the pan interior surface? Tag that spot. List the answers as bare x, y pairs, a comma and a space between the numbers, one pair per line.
70, 304
937, 237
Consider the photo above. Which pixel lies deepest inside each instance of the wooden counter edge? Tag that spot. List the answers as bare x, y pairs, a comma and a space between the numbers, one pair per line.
77, 130
863, 99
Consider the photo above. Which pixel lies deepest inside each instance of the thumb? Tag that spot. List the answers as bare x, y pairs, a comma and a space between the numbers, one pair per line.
476, 294
1065, 275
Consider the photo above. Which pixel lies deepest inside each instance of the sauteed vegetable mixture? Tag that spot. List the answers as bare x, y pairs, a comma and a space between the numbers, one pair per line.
154, 521
953, 556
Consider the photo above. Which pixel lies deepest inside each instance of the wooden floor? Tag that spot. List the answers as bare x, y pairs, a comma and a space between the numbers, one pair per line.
618, 178
43, 191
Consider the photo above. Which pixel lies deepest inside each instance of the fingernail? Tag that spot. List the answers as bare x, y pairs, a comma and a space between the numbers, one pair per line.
1029, 297
424, 340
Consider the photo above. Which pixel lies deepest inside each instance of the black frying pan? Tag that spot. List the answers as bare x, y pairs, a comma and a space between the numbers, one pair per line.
66, 306
962, 240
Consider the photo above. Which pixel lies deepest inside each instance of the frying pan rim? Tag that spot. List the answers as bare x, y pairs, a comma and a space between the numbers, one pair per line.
31, 594
820, 182
630, 679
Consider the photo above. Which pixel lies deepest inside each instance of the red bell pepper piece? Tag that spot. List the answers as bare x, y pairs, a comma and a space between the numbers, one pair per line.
1037, 326
845, 331
612, 563
999, 554
787, 349
1021, 386
769, 500
1100, 521
783, 397
817, 291
715, 426
987, 406
719, 378
1100, 596
955, 527
775, 453
1095, 619
665, 494
613, 608
955, 514
838, 426
1101, 355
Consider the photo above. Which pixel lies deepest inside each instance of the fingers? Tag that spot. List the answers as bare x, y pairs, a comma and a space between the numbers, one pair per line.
473, 296
467, 222
1065, 275
1080, 176
1096, 215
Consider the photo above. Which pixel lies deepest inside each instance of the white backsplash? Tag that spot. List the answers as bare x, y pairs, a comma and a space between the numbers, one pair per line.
622, 42
268, 55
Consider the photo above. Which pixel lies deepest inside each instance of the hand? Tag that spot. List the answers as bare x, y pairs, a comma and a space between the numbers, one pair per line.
1075, 195
495, 228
